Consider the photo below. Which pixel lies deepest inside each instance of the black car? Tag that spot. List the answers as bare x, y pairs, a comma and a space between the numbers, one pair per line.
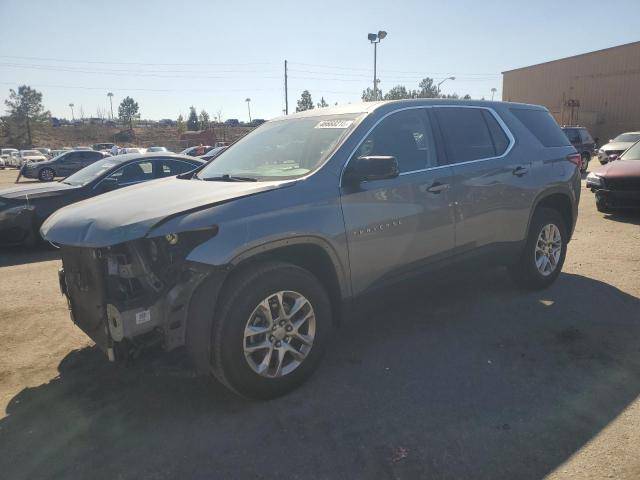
61, 166
583, 141
23, 208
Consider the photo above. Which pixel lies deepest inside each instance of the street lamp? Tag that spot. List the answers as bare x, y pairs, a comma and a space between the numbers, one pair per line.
110, 95
493, 91
442, 81
72, 117
248, 100
375, 39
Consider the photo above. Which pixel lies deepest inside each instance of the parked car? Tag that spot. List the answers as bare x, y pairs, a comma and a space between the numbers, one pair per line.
251, 260
213, 153
103, 146
2, 164
617, 184
616, 146
45, 151
31, 156
55, 153
23, 208
82, 148
192, 151
127, 150
582, 140
8, 151
157, 149
61, 166
232, 122
14, 160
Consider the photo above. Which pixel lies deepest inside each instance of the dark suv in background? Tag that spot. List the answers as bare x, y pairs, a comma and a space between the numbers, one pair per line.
584, 143
63, 165
252, 260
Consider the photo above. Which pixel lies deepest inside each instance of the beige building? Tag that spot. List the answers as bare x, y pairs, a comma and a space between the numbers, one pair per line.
599, 90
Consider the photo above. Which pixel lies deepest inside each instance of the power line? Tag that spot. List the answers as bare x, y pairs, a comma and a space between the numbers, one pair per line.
48, 59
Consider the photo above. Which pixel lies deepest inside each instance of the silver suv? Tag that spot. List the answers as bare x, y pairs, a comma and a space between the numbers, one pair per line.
252, 260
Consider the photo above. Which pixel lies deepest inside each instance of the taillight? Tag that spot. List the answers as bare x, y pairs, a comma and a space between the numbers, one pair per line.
576, 159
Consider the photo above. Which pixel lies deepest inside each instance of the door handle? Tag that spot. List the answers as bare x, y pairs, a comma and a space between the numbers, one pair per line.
437, 187
520, 171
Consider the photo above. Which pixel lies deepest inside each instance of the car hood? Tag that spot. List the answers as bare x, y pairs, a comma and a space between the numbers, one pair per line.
617, 146
130, 213
621, 168
35, 190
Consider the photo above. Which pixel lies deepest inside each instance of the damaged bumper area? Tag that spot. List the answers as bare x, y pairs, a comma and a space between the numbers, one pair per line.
136, 294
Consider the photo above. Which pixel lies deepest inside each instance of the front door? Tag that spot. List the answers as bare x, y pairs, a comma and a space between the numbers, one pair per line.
397, 225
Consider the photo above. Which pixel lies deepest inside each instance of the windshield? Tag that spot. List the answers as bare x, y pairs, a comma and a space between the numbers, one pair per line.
632, 153
627, 137
282, 149
91, 172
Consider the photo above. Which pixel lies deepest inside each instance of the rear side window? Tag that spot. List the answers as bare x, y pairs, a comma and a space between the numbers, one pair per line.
471, 134
586, 137
543, 127
171, 168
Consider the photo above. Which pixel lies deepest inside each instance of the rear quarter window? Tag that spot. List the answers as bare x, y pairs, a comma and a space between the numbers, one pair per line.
542, 125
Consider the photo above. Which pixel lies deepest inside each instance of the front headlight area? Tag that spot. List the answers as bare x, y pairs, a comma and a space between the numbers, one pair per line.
594, 181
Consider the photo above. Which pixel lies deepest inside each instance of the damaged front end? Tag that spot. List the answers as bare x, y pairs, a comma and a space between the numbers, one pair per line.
134, 294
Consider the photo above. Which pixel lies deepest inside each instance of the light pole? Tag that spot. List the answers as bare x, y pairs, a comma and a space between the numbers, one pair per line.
248, 100
375, 39
110, 95
493, 91
72, 117
442, 81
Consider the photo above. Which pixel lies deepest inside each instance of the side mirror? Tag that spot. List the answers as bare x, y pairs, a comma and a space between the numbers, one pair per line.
108, 184
369, 168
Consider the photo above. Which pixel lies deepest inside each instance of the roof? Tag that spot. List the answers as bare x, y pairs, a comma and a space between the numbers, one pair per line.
368, 107
573, 56
137, 156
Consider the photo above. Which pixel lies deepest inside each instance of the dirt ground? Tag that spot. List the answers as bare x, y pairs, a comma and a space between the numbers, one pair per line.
465, 378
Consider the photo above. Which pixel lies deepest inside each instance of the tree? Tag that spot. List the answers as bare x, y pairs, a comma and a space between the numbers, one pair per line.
397, 93
128, 111
305, 102
192, 122
25, 110
367, 95
322, 103
467, 97
427, 89
180, 124
204, 119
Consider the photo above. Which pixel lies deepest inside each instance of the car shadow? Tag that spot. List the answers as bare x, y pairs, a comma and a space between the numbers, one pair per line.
21, 255
625, 217
466, 378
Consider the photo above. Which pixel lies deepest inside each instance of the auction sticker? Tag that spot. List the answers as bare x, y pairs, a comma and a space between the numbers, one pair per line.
334, 124
143, 317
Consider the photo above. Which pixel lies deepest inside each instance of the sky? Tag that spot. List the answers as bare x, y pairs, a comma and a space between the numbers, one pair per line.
169, 55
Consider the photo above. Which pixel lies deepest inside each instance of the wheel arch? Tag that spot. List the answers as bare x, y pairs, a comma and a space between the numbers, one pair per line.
311, 253
559, 200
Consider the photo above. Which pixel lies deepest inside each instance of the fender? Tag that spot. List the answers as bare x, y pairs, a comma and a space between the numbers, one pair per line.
338, 267
556, 189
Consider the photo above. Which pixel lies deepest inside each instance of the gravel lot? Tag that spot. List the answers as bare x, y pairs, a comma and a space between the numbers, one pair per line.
465, 378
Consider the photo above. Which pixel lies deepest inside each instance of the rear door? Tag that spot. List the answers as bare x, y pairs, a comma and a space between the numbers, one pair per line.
68, 164
88, 157
489, 185
396, 226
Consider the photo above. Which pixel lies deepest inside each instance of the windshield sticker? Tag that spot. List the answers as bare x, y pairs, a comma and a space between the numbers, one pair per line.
334, 124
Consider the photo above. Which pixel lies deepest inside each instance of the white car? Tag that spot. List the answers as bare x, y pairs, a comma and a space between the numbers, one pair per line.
124, 151
616, 146
31, 156
2, 164
13, 160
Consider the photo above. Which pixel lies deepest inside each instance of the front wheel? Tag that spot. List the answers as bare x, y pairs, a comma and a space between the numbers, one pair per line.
543, 256
270, 330
46, 175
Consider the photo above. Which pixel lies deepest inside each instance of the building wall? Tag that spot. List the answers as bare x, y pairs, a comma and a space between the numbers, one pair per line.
605, 82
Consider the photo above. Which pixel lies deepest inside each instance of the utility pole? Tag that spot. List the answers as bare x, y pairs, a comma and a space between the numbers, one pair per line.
493, 92
375, 39
72, 117
286, 91
248, 100
110, 95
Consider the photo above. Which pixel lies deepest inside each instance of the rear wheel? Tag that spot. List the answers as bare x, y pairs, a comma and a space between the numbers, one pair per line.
270, 330
543, 256
46, 175
585, 162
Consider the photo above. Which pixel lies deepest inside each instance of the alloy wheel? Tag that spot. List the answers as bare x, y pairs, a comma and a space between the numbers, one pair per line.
548, 249
279, 334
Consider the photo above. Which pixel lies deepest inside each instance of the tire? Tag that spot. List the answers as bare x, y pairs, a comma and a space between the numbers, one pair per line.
46, 175
603, 207
239, 301
585, 162
526, 272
